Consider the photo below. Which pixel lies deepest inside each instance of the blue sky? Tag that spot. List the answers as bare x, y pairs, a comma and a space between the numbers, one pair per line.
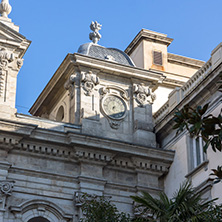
58, 27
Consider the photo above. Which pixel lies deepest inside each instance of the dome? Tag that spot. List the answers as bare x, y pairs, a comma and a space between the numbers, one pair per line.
108, 54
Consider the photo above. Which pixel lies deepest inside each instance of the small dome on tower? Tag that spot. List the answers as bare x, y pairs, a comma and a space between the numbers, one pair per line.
109, 54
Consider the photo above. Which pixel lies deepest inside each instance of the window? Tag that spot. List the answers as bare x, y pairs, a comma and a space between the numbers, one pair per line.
60, 114
197, 155
157, 58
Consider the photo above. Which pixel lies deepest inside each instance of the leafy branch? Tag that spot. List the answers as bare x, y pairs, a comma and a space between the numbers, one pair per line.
209, 127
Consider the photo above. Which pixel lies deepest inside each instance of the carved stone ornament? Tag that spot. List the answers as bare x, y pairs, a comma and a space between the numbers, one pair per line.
5, 58
115, 124
143, 94
95, 36
89, 81
5, 8
19, 63
80, 198
6, 188
69, 85
141, 211
108, 89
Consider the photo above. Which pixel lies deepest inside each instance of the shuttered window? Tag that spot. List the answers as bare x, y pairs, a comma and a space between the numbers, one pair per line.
157, 58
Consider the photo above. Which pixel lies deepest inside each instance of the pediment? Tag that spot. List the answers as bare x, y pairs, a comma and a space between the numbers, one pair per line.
12, 39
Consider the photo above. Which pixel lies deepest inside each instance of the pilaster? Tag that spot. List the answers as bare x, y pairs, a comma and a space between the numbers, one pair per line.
143, 121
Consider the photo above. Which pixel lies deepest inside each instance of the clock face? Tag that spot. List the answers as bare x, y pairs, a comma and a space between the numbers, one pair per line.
114, 107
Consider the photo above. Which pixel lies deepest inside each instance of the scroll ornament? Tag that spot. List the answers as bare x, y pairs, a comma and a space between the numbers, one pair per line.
6, 188
143, 94
69, 85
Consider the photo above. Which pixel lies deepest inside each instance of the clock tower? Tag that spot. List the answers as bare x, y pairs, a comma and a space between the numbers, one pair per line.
104, 93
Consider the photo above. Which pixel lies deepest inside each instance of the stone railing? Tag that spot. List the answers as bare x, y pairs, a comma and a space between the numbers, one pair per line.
197, 78
178, 94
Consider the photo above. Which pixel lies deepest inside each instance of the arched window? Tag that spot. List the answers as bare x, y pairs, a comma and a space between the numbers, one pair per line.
60, 114
40, 211
38, 219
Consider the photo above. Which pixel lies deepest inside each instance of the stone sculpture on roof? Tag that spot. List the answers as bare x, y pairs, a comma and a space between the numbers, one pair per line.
5, 8
95, 36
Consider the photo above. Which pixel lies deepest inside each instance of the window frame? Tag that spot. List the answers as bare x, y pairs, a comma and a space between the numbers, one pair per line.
193, 164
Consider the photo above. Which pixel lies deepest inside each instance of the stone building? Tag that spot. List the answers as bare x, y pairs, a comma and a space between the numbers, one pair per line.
92, 127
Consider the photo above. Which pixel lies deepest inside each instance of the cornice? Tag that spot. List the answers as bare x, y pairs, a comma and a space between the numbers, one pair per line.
77, 146
185, 61
14, 39
41, 100
118, 69
148, 36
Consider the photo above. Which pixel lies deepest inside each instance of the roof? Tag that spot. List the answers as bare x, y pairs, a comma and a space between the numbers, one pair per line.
108, 54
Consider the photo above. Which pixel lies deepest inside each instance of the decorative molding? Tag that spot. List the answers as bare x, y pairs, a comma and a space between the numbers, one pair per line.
93, 156
143, 94
46, 209
8, 143
123, 163
95, 36
108, 89
150, 165
89, 81
6, 188
81, 197
115, 124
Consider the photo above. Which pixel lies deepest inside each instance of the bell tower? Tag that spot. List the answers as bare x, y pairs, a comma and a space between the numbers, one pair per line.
13, 46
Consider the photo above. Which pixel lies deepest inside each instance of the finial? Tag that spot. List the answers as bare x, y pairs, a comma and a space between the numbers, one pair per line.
5, 8
95, 36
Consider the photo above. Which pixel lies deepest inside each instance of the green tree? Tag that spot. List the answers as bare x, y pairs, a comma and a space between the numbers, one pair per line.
185, 206
100, 209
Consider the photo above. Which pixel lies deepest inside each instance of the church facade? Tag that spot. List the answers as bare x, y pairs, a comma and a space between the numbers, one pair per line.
102, 125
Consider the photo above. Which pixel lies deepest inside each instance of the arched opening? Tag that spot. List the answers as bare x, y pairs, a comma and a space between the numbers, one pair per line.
60, 114
40, 211
38, 219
